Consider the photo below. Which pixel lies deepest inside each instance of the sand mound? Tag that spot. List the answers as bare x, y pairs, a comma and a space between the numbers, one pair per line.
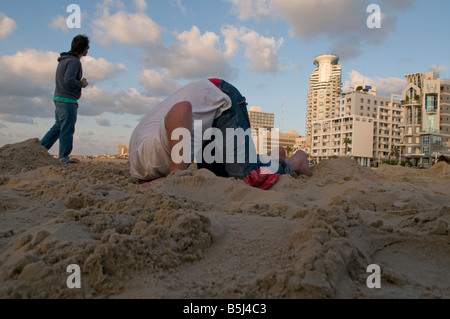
24, 156
196, 235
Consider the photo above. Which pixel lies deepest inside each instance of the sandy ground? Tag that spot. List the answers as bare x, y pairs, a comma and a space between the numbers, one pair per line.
195, 235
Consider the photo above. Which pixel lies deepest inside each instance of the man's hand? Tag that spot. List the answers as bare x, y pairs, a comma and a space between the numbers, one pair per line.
85, 83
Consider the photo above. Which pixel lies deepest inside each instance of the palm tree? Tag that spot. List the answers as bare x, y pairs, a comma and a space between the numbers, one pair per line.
346, 141
395, 151
288, 150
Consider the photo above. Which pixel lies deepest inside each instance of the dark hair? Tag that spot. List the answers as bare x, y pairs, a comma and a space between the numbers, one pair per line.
79, 44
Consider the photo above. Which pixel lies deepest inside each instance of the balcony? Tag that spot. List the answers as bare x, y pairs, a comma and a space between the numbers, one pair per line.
431, 131
409, 133
410, 102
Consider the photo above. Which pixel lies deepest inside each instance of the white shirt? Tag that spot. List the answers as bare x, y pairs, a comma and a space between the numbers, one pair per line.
149, 143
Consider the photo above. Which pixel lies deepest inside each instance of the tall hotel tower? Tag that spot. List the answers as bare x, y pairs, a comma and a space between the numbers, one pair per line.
324, 88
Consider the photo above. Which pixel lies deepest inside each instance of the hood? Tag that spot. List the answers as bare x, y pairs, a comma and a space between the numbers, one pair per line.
67, 55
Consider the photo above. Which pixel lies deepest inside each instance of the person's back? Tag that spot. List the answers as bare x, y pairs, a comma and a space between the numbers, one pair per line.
149, 163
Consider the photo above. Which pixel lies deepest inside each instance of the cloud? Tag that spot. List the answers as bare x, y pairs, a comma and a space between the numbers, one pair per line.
261, 52
59, 23
125, 28
195, 55
343, 22
102, 121
97, 101
7, 26
179, 5
27, 86
17, 118
28, 71
100, 69
141, 5
156, 84
38, 66
251, 9
198, 55
384, 86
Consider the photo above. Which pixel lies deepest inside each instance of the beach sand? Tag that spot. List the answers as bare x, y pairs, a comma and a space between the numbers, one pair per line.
195, 235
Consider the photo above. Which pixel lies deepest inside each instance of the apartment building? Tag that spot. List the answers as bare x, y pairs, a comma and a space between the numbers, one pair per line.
367, 127
261, 122
123, 149
266, 137
324, 88
426, 125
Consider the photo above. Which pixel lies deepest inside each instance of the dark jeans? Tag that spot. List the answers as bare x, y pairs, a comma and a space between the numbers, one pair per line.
63, 129
240, 160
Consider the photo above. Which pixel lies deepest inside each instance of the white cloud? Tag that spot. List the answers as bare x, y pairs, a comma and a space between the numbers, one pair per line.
59, 23
38, 66
261, 52
28, 79
126, 28
156, 84
195, 55
251, 9
141, 5
384, 86
100, 69
7, 26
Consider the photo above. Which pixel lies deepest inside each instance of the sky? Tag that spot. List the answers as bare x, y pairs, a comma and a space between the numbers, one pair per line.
141, 51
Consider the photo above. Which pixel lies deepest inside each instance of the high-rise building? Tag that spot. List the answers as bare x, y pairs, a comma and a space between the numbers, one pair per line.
324, 88
123, 149
426, 125
261, 122
266, 137
260, 119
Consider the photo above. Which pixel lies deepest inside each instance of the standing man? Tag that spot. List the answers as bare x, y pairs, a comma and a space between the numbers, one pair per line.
69, 83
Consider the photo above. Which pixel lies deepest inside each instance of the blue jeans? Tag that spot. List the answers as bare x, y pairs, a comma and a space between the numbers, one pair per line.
236, 117
63, 129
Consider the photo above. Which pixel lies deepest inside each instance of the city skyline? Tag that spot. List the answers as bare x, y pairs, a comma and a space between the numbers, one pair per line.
266, 48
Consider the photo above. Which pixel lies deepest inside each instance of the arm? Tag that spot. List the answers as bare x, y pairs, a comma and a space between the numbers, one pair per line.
71, 75
179, 116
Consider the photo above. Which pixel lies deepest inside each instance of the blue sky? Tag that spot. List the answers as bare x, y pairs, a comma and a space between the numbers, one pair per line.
141, 51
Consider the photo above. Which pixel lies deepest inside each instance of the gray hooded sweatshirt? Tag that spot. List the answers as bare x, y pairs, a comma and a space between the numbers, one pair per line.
68, 76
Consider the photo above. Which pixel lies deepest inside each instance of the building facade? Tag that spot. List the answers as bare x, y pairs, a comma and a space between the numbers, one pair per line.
261, 122
123, 149
426, 125
366, 127
324, 89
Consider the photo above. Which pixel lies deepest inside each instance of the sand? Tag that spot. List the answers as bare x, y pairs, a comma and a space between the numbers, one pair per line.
196, 235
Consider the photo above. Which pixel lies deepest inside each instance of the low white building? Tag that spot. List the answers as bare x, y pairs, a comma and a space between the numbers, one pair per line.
367, 128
